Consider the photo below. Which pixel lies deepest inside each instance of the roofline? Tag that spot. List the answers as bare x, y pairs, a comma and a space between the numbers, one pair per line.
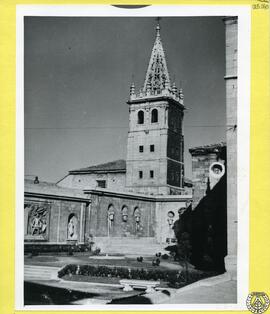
130, 195
155, 98
207, 148
58, 197
96, 171
62, 179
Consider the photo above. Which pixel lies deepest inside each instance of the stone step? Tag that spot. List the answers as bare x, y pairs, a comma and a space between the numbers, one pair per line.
33, 272
140, 250
38, 270
41, 268
143, 246
130, 239
134, 246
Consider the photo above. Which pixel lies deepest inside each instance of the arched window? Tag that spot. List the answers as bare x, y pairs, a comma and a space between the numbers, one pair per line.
140, 117
154, 116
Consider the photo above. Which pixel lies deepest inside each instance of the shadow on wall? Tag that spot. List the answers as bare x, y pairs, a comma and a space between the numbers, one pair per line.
209, 229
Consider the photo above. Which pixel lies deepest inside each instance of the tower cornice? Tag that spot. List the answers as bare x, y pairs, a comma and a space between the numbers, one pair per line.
155, 98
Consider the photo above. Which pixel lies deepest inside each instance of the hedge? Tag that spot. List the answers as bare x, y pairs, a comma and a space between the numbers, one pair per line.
170, 276
55, 248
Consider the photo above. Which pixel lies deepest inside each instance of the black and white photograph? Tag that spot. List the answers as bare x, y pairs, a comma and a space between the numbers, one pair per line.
131, 160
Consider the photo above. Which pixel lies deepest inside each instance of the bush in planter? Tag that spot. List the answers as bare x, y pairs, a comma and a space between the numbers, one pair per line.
175, 278
156, 262
96, 251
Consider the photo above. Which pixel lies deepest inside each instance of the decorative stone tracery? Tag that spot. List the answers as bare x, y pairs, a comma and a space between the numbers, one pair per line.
38, 221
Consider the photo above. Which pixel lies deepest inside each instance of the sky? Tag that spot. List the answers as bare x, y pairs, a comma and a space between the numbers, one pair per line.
77, 76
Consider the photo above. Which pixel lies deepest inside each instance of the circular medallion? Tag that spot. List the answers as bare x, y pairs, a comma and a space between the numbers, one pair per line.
216, 170
257, 302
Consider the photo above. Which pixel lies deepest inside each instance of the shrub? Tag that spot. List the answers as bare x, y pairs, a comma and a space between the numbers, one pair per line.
35, 249
156, 262
96, 251
174, 278
165, 256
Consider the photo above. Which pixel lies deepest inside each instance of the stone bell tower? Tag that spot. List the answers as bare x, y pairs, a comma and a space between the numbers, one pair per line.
155, 162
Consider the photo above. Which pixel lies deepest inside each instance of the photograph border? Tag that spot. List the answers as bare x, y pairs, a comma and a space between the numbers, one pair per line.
243, 108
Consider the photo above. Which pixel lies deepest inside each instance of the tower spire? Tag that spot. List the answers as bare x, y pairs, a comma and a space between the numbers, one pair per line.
157, 76
158, 27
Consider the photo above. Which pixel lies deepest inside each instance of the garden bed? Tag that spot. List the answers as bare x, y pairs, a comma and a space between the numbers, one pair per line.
106, 274
105, 280
67, 248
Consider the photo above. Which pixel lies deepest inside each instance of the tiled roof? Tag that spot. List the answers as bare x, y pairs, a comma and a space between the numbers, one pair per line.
113, 166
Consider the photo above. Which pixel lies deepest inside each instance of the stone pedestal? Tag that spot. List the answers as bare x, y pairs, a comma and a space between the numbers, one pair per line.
231, 266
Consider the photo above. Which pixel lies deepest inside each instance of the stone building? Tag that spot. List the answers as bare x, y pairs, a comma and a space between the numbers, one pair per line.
131, 205
53, 214
203, 159
155, 163
231, 38
110, 175
155, 146
126, 205
118, 221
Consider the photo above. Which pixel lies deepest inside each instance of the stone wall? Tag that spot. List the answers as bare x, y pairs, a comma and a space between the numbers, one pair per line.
202, 158
144, 135
200, 175
56, 221
175, 118
231, 32
114, 181
175, 146
166, 136
164, 230
98, 221
153, 213
174, 173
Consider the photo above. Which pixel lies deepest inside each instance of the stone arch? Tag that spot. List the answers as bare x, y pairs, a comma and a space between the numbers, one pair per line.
154, 115
170, 236
111, 212
72, 227
141, 117
110, 218
137, 219
136, 210
124, 213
